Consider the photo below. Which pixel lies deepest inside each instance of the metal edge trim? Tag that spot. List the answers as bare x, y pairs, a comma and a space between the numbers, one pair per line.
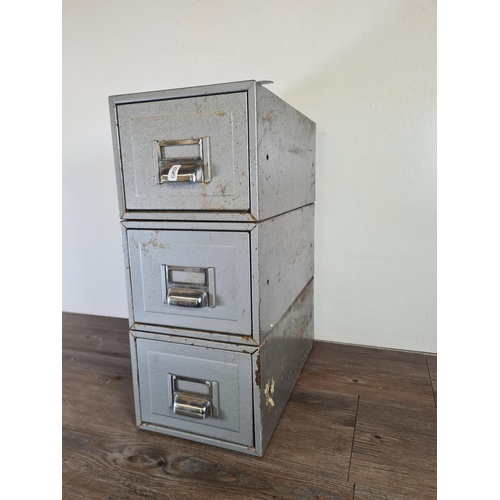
200, 439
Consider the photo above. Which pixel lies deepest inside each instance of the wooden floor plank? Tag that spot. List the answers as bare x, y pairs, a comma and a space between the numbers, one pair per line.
320, 425
145, 467
395, 449
432, 366
97, 363
375, 373
106, 457
101, 408
364, 493
101, 442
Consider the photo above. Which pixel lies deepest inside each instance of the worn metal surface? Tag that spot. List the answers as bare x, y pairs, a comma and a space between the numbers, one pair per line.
226, 344
128, 280
282, 356
223, 216
286, 146
216, 186
278, 143
115, 139
116, 100
227, 252
190, 225
245, 340
202, 90
249, 450
230, 370
285, 264
221, 118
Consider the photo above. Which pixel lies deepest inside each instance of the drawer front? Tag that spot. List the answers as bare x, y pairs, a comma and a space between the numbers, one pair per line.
202, 391
191, 279
185, 154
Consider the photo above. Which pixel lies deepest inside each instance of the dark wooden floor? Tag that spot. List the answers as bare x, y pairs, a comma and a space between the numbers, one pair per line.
360, 424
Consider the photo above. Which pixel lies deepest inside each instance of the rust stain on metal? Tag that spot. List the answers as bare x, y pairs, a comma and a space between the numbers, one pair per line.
257, 372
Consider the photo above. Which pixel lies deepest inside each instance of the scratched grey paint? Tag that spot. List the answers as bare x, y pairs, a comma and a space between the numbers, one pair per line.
221, 118
249, 450
282, 356
190, 225
189, 335
233, 226
115, 139
230, 369
280, 153
200, 90
152, 334
285, 263
227, 252
191, 216
252, 152
135, 378
128, 281
285, 156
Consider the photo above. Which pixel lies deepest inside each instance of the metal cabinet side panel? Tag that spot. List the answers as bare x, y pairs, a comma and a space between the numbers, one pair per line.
128, 279
286, 156
115, 139
281, 359
252, 150
285, 263
135, 379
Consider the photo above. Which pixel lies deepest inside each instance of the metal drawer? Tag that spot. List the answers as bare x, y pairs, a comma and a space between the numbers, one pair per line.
191, 279
185, 154
198, 390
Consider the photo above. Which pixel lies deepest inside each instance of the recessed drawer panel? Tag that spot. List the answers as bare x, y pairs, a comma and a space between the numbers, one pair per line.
199, 390
185, 154
191, 279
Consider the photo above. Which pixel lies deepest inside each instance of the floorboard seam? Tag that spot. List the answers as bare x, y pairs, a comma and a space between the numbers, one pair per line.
352, 445
430, 380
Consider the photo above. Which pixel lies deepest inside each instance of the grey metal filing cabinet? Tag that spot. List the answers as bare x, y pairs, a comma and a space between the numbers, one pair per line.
216, 199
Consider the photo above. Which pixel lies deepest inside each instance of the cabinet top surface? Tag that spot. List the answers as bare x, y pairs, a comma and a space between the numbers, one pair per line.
218, 88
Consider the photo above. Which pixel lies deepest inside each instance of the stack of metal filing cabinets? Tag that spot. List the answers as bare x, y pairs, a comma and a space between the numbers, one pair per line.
216, 197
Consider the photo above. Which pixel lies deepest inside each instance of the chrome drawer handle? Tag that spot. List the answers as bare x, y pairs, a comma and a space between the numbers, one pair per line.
188, 286
192, 397
191, 405
185, 297
181, 173
185, 160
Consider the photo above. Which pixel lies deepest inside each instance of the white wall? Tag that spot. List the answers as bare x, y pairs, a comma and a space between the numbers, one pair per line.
363, 70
